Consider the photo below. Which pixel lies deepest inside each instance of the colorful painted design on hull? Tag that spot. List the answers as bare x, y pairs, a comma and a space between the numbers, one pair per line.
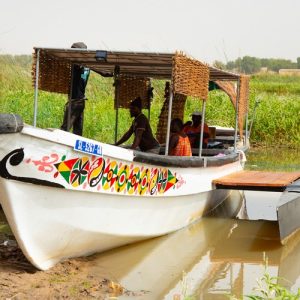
99, 173
95, 172
109, 175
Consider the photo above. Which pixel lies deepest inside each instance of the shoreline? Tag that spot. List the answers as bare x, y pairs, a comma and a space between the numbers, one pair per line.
70, 279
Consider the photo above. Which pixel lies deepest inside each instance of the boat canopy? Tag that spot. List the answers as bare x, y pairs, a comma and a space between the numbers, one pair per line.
132, 72
137, 64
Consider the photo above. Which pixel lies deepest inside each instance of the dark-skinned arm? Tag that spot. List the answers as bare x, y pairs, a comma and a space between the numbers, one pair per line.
125, 137
137, 138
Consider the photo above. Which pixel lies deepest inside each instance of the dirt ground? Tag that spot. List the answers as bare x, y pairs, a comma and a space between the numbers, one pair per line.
71, 279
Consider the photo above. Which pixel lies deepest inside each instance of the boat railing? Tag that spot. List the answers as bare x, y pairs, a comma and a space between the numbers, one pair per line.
209, 158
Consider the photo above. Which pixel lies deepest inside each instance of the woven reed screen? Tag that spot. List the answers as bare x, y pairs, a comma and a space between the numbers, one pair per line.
131, 88
190, 77
244, 94
177, 112
230, 90
243, 101
54, 75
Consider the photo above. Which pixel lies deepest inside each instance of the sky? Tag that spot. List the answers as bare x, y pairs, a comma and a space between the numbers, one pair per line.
208, 30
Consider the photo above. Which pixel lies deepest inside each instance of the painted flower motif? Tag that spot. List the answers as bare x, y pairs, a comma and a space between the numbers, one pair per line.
80, 172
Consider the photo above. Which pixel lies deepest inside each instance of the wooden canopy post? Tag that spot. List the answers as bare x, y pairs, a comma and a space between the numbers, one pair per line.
70, 99
169, 119
246, 133
36, 86
202, 127
117, 89
236, 113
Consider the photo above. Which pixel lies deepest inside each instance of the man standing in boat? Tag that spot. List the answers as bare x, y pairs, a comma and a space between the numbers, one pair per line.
143, 137
80, 76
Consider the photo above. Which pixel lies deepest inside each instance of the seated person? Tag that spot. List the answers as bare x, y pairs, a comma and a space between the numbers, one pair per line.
193, 130
179, 144
143, 137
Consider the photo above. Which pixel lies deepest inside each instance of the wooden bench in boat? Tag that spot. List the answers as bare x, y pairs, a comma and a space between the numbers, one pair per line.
257, 180
288, 207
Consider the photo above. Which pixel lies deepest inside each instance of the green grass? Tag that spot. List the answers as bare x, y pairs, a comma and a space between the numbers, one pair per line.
271, 287
273, 159
267, 287
276, 122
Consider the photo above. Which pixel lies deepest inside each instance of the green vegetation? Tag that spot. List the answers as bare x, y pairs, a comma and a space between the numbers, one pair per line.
273, 159
276, 121
271, 287
278, 114
268, 288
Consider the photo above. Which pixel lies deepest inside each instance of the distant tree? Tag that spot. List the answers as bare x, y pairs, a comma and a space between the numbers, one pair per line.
264, 62
219, 65
238, 64
250, 65
230, 65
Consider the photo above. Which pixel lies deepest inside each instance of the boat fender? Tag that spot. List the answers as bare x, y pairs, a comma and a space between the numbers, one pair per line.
10, 123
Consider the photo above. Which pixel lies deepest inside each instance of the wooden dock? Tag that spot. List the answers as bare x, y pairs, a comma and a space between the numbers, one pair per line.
257, 181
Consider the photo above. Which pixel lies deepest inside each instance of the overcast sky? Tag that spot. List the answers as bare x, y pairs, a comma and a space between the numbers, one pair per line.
205, 29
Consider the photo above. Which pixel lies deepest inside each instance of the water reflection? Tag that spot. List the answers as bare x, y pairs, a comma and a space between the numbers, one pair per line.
212, 258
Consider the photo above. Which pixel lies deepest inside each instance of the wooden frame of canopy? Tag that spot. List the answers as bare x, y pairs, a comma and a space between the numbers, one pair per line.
189, 77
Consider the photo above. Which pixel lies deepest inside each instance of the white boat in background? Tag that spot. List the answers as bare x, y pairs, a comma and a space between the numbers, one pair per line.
67, 196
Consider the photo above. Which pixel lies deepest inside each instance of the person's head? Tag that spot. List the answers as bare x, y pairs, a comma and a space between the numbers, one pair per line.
176, 125
135, 107
79, 45
196, 117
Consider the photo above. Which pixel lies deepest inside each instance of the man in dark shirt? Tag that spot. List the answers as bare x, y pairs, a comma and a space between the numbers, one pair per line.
77, 97
143, 137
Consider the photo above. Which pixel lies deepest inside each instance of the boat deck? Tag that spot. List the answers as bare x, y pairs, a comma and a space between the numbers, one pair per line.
257, 181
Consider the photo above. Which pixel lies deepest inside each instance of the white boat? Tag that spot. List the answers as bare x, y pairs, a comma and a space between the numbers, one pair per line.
68, 196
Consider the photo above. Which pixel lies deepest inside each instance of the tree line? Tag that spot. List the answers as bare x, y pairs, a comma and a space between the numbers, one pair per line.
251, 65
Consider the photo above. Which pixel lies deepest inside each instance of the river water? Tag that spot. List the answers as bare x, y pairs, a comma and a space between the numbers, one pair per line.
215, 257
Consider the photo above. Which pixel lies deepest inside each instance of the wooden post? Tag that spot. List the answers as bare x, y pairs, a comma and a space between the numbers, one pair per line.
246, 130
117, 89
36, 86
70, 100
202, 128
236, 113
169, 119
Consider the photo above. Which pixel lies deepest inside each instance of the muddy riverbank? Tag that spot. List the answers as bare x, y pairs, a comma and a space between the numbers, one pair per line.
71, 279
68, 280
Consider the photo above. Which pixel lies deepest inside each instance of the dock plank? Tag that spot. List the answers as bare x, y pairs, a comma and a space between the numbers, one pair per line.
257, 180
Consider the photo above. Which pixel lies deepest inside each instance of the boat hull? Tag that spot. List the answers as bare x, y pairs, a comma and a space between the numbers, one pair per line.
61, 203
51, 224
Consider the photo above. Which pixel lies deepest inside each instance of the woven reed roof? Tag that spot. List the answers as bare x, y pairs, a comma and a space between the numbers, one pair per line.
143, 64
